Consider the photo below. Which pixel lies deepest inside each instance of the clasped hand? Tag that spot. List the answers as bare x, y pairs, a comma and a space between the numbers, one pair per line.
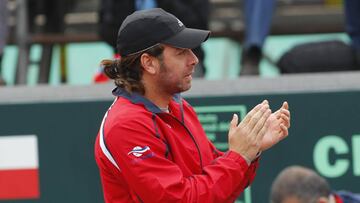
259, 130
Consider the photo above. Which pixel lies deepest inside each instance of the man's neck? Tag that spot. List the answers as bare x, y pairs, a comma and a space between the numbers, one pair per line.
158, 98
155, 92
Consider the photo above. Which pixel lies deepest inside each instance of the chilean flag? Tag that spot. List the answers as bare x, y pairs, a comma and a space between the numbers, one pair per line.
19, 167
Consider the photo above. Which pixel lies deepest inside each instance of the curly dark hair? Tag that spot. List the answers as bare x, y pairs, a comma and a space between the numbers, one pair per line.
127, 71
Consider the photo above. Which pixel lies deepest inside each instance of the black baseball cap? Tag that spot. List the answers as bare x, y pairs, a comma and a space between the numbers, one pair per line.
146, 28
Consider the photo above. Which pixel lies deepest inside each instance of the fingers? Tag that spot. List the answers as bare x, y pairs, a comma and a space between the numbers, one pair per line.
284, 132
233, 123
234, 120
263, 131
278, 114
283, 109
253, 112
285, 105
284, 114
261, 126
285, 120
258, 117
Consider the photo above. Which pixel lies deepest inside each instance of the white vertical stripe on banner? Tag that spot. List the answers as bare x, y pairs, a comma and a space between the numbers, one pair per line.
19, 152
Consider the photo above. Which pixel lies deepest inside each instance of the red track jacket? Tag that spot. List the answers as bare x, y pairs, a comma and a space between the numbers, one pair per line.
146, 155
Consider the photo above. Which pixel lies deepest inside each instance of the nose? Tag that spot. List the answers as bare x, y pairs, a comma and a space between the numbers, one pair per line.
193, 59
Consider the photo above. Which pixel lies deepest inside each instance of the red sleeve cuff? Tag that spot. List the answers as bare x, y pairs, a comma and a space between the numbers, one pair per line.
237, 158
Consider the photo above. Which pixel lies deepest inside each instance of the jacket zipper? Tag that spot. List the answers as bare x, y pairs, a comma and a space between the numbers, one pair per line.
192, 137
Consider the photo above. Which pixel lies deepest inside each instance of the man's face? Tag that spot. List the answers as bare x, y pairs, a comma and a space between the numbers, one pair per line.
176, 68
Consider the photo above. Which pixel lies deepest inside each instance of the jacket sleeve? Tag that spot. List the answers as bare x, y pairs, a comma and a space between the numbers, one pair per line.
215, 151
250, 173
141, 157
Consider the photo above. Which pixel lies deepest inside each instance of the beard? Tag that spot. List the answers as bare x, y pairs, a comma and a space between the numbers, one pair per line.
172, 82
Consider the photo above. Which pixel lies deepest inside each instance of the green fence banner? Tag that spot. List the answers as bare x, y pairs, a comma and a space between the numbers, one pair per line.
46, 148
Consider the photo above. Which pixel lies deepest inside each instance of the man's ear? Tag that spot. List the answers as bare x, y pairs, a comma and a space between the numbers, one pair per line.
149, 63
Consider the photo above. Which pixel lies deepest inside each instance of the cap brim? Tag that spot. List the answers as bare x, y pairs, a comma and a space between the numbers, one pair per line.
188, 38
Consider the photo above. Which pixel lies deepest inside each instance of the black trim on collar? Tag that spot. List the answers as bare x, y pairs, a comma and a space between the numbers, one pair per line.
177, 98
137, 98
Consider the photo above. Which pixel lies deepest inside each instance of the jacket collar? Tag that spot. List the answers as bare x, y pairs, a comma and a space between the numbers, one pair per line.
137, 98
